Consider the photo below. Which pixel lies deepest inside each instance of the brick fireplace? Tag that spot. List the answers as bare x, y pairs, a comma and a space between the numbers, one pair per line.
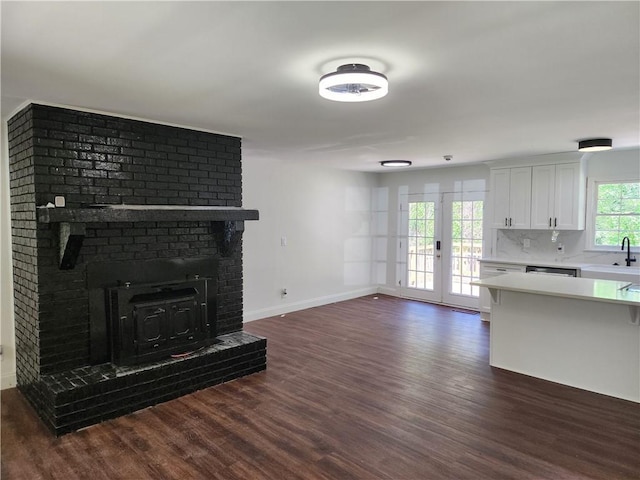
151, 230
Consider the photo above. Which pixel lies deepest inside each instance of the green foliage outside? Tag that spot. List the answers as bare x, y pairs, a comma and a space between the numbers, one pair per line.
422, 224
466, 245
618, 213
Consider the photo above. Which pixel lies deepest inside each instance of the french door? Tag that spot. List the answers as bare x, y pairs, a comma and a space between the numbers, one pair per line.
440, 247
420, 219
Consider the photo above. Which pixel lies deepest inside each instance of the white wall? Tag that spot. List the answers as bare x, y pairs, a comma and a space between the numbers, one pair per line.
619, 163
326, 217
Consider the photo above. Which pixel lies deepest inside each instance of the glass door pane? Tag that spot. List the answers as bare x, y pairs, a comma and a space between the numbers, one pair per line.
420, 245
466, 246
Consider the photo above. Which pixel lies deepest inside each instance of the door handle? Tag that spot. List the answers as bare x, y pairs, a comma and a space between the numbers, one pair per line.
438, 245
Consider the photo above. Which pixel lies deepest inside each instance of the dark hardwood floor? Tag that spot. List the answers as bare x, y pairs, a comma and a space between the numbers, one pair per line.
362, 389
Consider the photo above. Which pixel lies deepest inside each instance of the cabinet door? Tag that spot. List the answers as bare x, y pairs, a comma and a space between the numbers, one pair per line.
543, 180
569, 201
520, 198
500, 184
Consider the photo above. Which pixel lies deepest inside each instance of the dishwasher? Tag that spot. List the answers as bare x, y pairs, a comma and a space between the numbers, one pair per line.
558, 271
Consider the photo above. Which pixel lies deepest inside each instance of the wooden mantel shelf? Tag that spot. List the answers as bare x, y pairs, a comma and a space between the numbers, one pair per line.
72, 223
144, 213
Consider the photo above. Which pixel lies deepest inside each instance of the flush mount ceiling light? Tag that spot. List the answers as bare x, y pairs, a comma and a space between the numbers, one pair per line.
396, 163
353, 82
594, 145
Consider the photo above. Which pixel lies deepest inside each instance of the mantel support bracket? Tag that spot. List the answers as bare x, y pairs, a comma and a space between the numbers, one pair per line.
71, 238
228, 236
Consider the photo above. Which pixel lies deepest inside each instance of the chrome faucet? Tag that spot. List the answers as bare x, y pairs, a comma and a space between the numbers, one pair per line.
628, 259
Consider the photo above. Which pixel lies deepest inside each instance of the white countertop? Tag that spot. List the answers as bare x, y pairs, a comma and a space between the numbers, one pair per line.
533, 261
569, 287
591, 270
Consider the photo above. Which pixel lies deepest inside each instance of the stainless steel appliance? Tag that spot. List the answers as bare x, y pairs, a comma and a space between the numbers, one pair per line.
559, 271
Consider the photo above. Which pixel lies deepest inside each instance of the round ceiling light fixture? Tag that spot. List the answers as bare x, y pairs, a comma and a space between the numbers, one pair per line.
396, 163
353, 82
595, 145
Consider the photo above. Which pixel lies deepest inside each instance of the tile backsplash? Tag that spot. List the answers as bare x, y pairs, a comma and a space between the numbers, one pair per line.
511, 244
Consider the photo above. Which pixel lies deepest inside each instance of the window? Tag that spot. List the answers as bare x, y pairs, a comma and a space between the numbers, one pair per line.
616, 213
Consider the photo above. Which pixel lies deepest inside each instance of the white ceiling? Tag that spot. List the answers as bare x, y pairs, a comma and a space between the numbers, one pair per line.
476, 80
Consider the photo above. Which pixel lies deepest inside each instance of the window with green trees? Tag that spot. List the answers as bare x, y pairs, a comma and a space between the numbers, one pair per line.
617, 213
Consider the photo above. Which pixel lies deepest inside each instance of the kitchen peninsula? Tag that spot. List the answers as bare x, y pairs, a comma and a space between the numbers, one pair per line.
579, 332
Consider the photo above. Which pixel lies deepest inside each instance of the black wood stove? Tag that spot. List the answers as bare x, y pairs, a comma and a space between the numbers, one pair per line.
149, 310
150, 322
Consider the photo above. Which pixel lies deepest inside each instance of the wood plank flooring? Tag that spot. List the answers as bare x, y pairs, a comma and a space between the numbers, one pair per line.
362, 389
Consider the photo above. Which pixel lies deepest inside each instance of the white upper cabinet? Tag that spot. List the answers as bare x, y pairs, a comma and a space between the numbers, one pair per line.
543, 187
511, 197
500, 189
558, 197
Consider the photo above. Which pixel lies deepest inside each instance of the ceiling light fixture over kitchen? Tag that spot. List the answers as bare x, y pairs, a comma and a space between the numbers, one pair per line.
353, 82
594, 145
396, 163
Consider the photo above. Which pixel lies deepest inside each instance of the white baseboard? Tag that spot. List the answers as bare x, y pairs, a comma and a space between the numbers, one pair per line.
391, 291
399, 293
7, 380
396, 292
252, 315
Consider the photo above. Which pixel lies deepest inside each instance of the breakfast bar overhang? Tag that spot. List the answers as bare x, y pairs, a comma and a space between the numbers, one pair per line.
579, 332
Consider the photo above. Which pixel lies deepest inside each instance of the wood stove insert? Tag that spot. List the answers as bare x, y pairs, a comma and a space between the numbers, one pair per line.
148, 310
153, 321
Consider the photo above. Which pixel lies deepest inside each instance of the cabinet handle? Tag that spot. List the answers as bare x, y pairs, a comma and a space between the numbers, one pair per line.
506, 224
509, 221
549, 222
555, 222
